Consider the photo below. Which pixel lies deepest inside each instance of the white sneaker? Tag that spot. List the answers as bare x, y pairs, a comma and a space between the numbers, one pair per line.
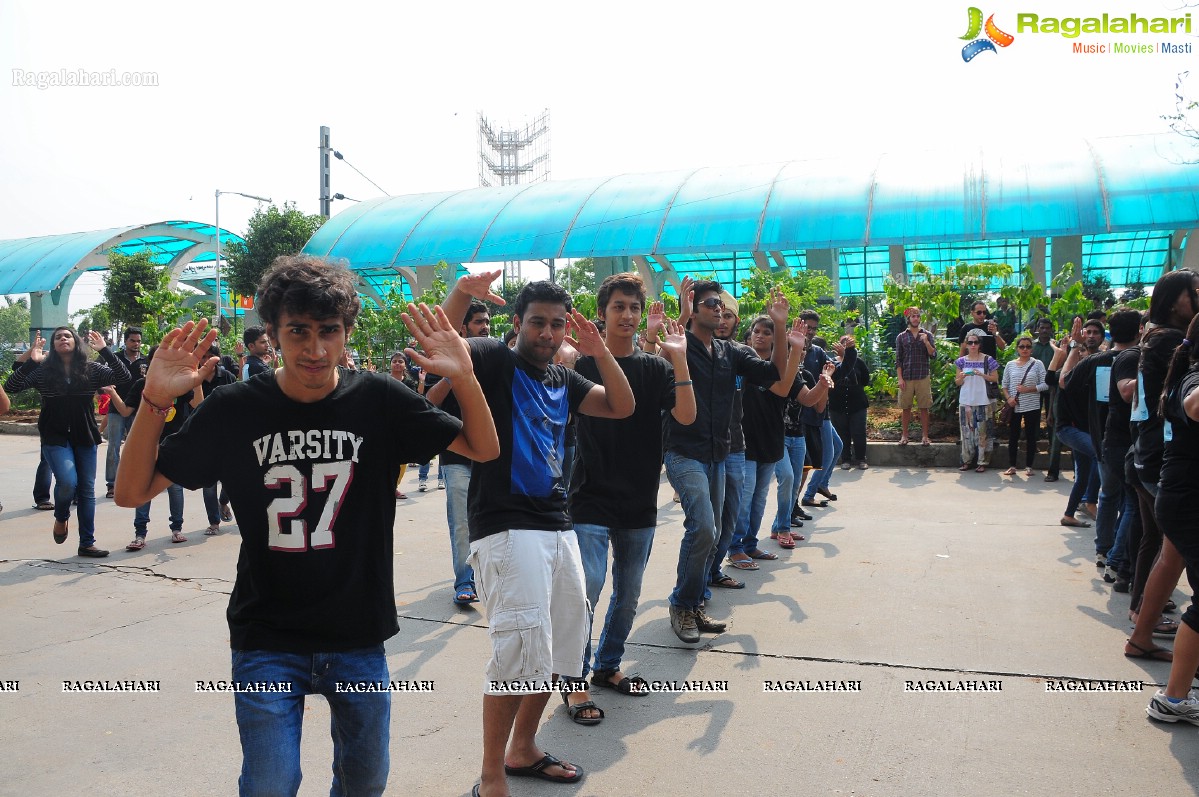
1186, 710
423, 486
440, 483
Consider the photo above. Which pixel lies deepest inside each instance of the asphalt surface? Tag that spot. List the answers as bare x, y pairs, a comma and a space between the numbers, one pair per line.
914, 581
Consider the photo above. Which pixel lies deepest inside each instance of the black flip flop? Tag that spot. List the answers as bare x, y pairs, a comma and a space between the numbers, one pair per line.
725, 581
537, 770
1153, 654
629, 685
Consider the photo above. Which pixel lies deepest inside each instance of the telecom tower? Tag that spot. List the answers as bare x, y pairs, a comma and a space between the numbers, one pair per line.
514, 157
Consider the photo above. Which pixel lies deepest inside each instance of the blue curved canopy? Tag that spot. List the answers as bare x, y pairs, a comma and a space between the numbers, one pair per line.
1084, 187
40, 264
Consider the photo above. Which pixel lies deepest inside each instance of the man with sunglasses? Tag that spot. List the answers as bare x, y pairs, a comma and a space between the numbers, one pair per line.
990, 338
695, 453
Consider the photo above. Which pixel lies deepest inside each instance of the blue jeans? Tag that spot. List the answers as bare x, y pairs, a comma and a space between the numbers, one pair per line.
423, 473
700, 486
269, 723
630, 555
141, 516
41, 481
830, 441
1116, 497
789, 471
457, 483
114, 433
213, 498
753, 506
74, 477
734, 477
1084, 461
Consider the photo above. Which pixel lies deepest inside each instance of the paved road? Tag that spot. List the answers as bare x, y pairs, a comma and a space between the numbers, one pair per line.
913, 576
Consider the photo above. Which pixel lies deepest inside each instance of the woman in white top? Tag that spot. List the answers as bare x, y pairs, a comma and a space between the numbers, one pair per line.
975, 370
1023, 383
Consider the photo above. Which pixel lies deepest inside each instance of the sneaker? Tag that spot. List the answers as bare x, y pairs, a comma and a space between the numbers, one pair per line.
706, 624
1121, 585
862, 465
1100, 561
682, 622
422, 486
213, 530
1109, 574
1163, 709
440, 483
137, 544
846, 465
802, 515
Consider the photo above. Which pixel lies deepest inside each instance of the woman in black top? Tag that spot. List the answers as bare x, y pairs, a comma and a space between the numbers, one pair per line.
1178, 492
847, 405
68, 382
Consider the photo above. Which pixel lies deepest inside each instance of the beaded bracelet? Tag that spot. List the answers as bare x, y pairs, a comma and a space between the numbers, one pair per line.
157, 410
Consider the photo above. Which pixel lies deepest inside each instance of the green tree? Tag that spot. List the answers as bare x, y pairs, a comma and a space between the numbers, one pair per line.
380, 331
163, 308
15, 320
121, 285
578, 277
270, 233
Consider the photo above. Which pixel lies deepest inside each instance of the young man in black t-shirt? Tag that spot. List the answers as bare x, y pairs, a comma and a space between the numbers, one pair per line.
523, 546
258, 353
614, 495
118, 425
310, 455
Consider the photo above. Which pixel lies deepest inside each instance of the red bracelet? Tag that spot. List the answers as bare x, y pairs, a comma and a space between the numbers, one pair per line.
157, 410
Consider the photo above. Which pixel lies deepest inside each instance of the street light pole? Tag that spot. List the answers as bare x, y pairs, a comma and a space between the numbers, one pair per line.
218, 245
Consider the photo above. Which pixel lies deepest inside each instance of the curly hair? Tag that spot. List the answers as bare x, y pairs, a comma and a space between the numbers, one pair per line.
302, 285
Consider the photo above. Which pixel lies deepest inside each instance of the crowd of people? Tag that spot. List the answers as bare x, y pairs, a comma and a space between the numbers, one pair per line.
309, 452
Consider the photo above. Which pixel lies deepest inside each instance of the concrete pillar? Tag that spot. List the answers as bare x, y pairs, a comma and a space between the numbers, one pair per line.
48, 309
828, 261
607, 266
897, 263
1036, 259
1068, 249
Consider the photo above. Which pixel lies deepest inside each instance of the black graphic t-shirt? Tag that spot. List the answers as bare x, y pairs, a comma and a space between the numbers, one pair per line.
522, 488
313, 487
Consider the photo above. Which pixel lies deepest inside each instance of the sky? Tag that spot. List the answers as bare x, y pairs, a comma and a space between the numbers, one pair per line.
243, 88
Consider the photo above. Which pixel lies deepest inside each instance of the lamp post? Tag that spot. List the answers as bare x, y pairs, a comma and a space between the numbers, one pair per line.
218, 245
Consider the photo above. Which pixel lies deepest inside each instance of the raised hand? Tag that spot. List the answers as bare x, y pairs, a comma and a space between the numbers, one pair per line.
654, 322
780, 307
675, 344
446, 353
848, 341
586, 339
830, 368
239, 348
479, 286
798, 335
1076, 330
36, 350
96, 340
181, 362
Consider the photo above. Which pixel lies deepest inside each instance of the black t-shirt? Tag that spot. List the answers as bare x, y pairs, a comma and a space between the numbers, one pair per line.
255, 366
1156, 351
182, 409
1116, 434
986, 341
313, 486
762, 420
619, 462
221, 376
793, 414
522, 488
136, 368
1072, 399
1180, 461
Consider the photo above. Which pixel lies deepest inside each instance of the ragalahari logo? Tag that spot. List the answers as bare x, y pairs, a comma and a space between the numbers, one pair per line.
981, 45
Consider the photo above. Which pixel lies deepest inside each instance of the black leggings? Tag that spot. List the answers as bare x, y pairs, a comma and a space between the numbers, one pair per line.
1032, 431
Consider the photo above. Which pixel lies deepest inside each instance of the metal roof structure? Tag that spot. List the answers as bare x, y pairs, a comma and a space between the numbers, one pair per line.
775, 215
30, 265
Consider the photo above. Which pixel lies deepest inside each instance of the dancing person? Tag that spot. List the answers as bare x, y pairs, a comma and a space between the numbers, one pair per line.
67, 383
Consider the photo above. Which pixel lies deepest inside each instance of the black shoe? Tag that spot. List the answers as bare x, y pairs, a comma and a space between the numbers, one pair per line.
802, 515
796, 523
1050, 477
93, 552
1120, 586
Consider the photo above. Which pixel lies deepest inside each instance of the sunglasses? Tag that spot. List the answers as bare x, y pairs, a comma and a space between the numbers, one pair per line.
1024, 348
980, 312
972, 343
712, 303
